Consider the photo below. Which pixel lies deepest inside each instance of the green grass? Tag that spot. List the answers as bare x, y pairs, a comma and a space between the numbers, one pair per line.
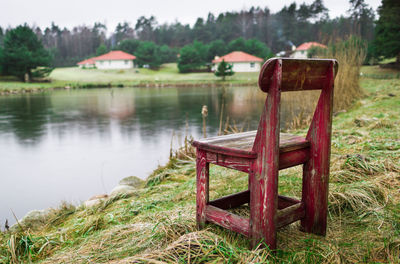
376, 72
390, 60
157, 223
168, 74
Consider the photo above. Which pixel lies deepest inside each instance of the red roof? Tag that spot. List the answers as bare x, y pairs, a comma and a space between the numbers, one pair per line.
238, 56
115, 55
308, 45
87, 61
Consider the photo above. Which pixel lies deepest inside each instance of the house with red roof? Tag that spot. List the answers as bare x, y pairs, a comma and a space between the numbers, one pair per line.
115, 59
88, 63
241, 62
301, 52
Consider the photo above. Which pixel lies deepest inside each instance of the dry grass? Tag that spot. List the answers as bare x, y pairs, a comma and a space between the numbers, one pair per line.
350, 54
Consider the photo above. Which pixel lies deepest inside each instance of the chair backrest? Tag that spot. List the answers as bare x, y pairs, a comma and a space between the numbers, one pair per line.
297, 74
284, 74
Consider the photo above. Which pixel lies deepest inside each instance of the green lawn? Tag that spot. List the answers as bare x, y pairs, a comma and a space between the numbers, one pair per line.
168, 74
377, 72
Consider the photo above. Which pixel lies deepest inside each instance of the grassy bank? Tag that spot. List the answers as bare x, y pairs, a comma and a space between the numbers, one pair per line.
156, 224
167, 75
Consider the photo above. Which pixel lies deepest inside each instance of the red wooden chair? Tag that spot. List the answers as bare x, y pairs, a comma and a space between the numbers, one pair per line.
264, 152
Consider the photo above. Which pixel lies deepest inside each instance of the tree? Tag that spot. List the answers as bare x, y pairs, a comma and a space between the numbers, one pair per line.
102, 49
318, 10
98, 35
251, 46
189, 60
257, 48
23, 52
387, 32
362, 18
216, 48
148, 54
238, 44
1, 65
167, 54
123, 31
1, 37
201, 49
224, 69
1, 50
129, 45
145, 27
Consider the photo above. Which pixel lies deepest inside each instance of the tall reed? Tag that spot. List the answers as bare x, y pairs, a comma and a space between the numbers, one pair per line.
350, 53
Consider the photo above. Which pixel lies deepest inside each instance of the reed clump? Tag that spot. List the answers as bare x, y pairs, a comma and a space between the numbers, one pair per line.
350, 53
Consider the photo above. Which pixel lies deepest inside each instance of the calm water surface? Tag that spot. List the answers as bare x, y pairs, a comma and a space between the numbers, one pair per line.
72, 144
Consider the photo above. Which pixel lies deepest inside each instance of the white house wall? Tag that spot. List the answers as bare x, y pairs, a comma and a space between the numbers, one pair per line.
114, 64
243, 66
86, 65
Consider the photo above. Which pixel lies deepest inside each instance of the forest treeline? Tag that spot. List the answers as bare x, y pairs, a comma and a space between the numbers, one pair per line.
253, 29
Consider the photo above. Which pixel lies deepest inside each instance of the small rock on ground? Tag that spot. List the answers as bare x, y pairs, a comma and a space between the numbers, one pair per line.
122, 189
132, 181
95, 200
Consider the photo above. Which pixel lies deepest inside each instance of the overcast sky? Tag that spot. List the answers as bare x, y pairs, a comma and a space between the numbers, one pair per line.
69, 13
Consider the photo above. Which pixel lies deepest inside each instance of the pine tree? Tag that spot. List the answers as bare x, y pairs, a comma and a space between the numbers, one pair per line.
22, 53
102, 49
190, 59
224, 69
387, 32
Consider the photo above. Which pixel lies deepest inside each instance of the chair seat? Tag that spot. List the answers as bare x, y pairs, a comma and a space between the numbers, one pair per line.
241, 144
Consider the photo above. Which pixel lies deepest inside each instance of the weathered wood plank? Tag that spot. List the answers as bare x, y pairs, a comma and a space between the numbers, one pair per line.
228, 220
290, 214
293, 158
230, 137
286, 160
236, 163
284, 201
226, 151
316, 170
202, 184
241, 144
297, 75
264, 177
231, 201
240, 198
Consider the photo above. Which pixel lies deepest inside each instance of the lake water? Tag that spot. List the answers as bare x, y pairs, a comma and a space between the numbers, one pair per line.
73, 144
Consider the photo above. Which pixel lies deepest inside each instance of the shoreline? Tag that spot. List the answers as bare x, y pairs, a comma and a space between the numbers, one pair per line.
125, 187
67, 86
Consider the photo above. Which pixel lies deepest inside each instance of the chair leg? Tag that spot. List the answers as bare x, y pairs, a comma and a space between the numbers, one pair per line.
202, 183
315, 197
263, 209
